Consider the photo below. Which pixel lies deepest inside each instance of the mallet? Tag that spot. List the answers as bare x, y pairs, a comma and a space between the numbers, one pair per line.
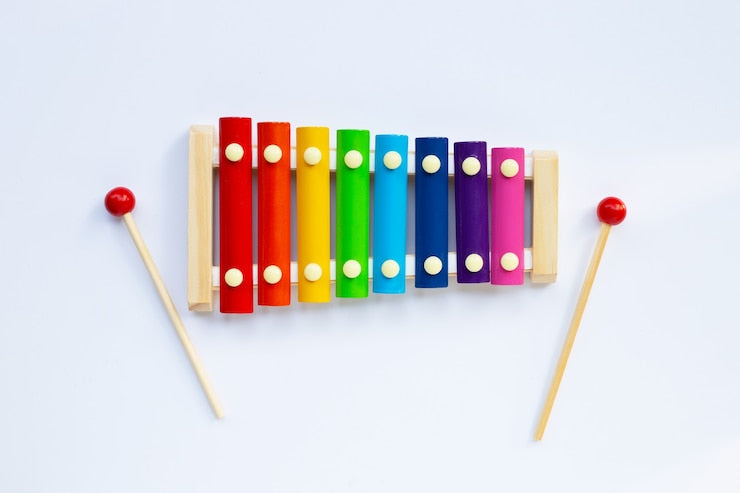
120, 202
611, 211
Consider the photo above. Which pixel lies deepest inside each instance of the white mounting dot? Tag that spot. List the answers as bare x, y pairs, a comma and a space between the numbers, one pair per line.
431, 164
392, 160
233, 277
471, 166
433, 265
312, 156
390, 268
353, 159
312, 272
351, 269
509, 261
474, 263
509, 168
272, 274
234, 152
272, 153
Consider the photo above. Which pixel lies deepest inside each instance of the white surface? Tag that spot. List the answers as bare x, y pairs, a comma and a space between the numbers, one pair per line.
436, 390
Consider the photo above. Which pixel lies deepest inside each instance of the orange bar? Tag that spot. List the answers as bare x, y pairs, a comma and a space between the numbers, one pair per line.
273, 213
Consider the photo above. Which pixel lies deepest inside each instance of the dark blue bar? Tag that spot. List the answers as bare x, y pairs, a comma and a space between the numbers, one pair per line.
431, 211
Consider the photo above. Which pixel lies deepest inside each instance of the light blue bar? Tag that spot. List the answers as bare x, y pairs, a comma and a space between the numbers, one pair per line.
389, 211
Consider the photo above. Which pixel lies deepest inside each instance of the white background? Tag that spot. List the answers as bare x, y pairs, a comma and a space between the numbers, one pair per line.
433, 391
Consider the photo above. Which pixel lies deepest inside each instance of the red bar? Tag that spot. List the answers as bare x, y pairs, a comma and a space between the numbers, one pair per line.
235, 211
273, 213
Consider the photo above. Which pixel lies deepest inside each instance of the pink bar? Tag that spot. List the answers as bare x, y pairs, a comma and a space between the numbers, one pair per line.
507, 215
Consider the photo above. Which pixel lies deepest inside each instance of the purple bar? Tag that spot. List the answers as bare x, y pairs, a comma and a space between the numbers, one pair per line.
471, 212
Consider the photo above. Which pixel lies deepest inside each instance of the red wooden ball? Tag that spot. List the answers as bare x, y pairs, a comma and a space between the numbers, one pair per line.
119, 201
611, 211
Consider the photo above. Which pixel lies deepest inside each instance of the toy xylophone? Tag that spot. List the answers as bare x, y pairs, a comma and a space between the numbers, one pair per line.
487, 250
472, 263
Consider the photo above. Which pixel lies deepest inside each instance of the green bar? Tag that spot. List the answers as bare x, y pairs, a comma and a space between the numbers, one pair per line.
353, 211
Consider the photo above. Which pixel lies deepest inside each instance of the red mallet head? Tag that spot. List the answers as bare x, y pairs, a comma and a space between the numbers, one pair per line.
611, 211
120, 201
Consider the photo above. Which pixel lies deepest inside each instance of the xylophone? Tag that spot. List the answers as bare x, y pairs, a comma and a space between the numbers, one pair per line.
487, 250
314, 270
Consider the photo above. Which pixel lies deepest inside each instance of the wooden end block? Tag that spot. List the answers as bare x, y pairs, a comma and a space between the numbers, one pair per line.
544, 216
200, 217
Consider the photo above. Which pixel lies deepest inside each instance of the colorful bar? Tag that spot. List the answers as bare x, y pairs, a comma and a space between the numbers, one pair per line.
273, 213
313, 213
431, 212
235, 211
507, 215
353, 212
389, 213
471, 212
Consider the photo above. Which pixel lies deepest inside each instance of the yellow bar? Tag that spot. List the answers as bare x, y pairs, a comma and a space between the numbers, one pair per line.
313, 213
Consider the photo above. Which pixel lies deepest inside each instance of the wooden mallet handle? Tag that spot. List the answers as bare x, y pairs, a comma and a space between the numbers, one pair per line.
611, 211
120, 202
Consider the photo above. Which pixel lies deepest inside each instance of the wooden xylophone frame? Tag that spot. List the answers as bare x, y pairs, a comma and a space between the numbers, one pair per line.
540, 260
